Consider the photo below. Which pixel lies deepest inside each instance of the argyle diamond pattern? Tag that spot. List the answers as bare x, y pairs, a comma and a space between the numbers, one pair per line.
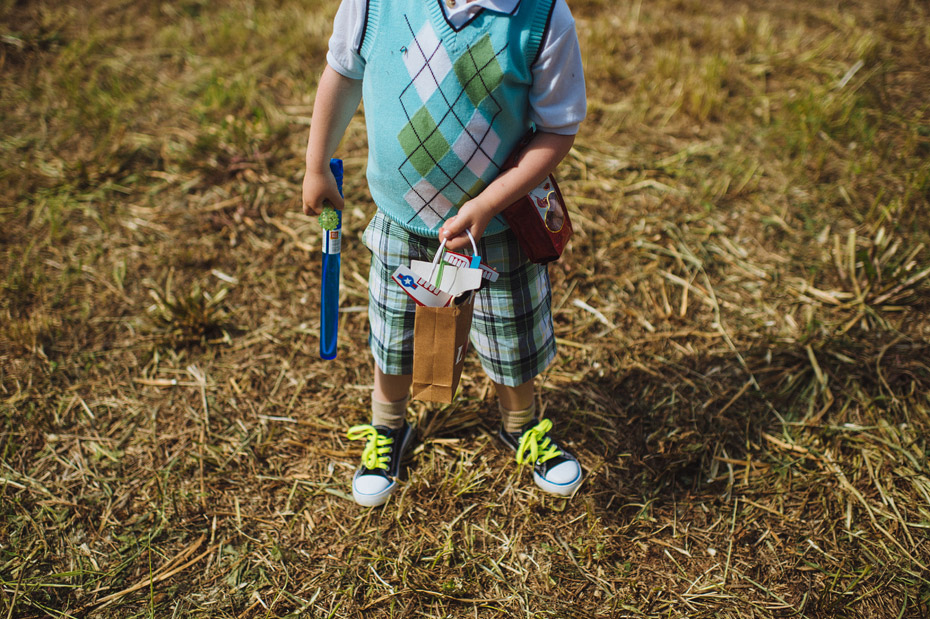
423, 142
478, 70
475, 143
427, 62
448, 139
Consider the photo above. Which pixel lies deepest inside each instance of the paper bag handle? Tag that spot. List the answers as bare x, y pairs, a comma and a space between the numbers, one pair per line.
442, 249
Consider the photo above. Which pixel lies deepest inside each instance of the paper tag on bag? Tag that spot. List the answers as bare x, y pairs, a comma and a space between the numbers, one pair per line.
415, 282
451, 279
419, 289
461, 260
437, 283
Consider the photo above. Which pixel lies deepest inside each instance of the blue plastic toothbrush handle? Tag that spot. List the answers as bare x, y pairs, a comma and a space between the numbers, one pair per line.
329, 288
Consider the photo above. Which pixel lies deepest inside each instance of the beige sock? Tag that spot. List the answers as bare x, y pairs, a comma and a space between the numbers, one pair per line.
389, 414
513, 421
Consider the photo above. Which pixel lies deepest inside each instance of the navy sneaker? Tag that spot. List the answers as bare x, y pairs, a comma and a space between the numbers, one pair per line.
555, 470
375, 479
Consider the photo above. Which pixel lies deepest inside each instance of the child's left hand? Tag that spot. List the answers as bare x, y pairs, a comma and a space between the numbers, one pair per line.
539, 158
471, 216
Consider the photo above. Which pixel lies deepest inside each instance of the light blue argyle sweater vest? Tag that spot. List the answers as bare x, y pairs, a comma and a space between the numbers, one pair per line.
444, 107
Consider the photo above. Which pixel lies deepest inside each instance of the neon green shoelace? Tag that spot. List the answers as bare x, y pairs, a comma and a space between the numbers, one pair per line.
538, 445
377, 452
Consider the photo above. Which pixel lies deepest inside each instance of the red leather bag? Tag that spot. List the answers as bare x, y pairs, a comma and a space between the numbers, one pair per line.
539, 219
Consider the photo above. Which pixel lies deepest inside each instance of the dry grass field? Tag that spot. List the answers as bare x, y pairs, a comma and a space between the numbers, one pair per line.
742, 314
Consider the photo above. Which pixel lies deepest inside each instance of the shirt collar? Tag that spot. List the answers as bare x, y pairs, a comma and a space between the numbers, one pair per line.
499, 6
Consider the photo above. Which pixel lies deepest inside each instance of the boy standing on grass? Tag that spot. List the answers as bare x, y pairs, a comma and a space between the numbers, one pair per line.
450, 87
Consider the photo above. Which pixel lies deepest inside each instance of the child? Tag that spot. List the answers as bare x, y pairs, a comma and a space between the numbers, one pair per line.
450, 87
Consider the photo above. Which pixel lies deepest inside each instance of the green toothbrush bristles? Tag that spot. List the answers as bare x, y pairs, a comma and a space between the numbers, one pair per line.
329, 219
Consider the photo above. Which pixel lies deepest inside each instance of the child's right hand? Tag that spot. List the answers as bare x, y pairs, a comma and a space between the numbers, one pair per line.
320, 187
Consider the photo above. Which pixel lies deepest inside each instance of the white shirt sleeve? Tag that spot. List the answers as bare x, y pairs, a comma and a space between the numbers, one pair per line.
557, 97
348, 26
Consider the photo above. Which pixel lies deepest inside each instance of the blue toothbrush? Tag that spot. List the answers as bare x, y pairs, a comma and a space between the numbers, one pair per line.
331, 222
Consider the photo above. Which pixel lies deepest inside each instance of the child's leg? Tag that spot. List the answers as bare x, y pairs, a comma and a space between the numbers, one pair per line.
513, 334
391, 314
555, 470
391, 387
388, 437
517, 405
389, 399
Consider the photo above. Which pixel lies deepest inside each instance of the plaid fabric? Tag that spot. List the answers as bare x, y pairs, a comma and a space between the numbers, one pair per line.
511, 330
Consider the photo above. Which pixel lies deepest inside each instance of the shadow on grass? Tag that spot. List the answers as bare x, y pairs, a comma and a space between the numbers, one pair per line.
666, 430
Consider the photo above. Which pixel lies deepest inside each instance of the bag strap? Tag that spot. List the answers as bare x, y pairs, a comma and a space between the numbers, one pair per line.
436, 260
475, 258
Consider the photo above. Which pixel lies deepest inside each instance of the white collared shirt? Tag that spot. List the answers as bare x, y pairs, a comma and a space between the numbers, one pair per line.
557, 96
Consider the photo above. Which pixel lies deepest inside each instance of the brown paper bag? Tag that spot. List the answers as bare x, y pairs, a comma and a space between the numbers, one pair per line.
440, 341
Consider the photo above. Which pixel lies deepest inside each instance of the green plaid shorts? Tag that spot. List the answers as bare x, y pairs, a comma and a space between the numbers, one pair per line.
511, 329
